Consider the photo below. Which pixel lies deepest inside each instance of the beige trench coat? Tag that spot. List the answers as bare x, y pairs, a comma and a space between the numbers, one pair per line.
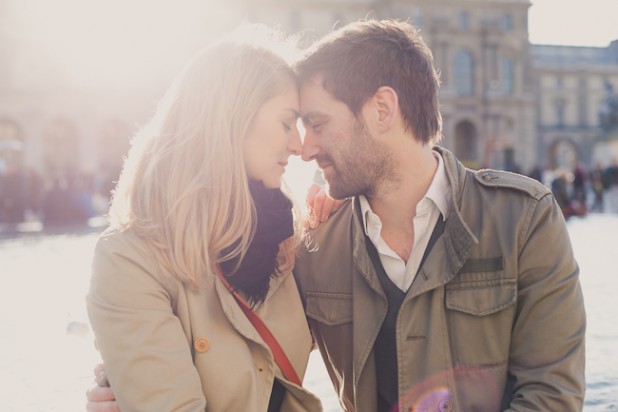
168, 348
494, 320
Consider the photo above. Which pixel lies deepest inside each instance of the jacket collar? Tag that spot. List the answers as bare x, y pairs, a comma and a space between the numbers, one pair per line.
461, 237
447, 255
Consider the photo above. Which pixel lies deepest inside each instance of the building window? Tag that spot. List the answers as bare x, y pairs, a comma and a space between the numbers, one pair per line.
559, 81
466, 143
463, 69
463, 20
560, 108
507, 77
582, 102
417, 17
507, 22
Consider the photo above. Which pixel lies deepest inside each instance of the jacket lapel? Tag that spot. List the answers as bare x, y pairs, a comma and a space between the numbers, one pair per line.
452, 249
368, 299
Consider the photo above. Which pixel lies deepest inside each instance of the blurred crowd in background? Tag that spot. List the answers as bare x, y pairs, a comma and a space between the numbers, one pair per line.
582, 190
26, 196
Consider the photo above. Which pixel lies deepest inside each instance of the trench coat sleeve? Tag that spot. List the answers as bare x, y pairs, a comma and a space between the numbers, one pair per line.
546, 368
146, 353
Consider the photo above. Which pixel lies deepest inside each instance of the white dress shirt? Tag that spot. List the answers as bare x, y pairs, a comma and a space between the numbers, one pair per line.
428, 211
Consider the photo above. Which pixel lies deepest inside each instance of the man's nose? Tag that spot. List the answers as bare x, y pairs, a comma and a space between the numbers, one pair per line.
310, 147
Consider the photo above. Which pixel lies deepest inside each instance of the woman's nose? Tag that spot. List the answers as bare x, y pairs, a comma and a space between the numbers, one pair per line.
295, 146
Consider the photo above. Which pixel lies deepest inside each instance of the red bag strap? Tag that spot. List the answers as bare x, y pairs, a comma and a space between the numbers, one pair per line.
280, 357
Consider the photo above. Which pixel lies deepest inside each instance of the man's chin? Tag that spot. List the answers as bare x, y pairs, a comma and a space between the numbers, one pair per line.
337, 193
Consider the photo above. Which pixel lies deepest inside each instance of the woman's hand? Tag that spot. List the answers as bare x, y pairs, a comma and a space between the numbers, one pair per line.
101, 397
320, 206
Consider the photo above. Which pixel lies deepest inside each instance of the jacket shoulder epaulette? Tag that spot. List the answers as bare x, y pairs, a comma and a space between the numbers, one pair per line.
500, 179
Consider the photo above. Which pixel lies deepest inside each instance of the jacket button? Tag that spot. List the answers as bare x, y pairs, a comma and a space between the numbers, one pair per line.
201, 344
444, 406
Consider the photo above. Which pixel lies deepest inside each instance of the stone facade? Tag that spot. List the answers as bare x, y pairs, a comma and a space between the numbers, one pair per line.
506, 103
573, 86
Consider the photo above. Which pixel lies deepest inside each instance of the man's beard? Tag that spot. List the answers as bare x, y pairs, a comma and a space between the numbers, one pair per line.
359, 168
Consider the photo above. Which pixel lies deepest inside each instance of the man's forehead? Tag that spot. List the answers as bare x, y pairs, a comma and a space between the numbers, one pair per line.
313, 86
313, 97
315, 80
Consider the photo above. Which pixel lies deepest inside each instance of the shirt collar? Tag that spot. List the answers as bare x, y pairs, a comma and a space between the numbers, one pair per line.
439, 189
437, 193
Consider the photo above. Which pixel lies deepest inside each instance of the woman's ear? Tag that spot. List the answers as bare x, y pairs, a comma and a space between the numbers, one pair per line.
382, 109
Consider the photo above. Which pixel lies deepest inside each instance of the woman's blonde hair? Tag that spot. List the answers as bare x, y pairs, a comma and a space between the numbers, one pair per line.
184, 187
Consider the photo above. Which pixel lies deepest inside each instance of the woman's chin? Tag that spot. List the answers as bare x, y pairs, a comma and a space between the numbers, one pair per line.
272, 183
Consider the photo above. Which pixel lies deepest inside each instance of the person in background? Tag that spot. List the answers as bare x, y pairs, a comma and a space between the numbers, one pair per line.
435, 287
610, 176
199, 227
598, 189
580, 185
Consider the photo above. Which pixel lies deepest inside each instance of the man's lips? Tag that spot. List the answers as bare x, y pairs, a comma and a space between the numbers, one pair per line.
324, 164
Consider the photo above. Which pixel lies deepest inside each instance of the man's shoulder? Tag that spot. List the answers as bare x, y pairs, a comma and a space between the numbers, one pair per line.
330, 236
338, 222
500, 179
325, 260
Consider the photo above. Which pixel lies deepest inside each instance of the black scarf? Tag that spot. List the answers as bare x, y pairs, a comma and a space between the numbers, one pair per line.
274, 225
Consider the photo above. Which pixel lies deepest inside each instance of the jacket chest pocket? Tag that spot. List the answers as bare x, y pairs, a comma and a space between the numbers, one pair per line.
330, 318
481, 287
480, 317
330, 309
481, 298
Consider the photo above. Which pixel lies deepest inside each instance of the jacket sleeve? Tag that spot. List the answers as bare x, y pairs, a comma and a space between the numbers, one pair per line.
146, 354
546, 367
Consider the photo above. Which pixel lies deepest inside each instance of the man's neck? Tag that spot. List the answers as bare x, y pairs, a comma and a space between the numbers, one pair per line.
395, 202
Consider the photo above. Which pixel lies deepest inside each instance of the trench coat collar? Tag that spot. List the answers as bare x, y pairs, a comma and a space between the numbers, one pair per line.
237, 317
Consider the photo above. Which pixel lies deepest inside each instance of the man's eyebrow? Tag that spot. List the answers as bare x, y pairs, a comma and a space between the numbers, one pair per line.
312, 116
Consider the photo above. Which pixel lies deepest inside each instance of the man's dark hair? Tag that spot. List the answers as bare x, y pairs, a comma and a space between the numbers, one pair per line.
363, 56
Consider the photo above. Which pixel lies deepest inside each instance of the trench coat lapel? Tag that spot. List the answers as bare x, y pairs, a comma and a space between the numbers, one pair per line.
234, 314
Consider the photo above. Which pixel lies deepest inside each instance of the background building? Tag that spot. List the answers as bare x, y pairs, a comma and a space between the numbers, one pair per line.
506, 103
75, 88
482, 51
573, 87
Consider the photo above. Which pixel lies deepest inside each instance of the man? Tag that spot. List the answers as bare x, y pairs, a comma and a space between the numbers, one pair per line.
436, 287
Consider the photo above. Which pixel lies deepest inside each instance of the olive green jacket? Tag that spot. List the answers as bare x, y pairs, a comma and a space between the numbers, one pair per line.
494, 319
167, 347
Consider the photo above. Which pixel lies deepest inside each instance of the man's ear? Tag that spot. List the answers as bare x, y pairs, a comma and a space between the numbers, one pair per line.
384, 108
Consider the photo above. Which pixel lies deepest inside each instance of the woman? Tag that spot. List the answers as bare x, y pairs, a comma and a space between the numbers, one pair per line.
198, 212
